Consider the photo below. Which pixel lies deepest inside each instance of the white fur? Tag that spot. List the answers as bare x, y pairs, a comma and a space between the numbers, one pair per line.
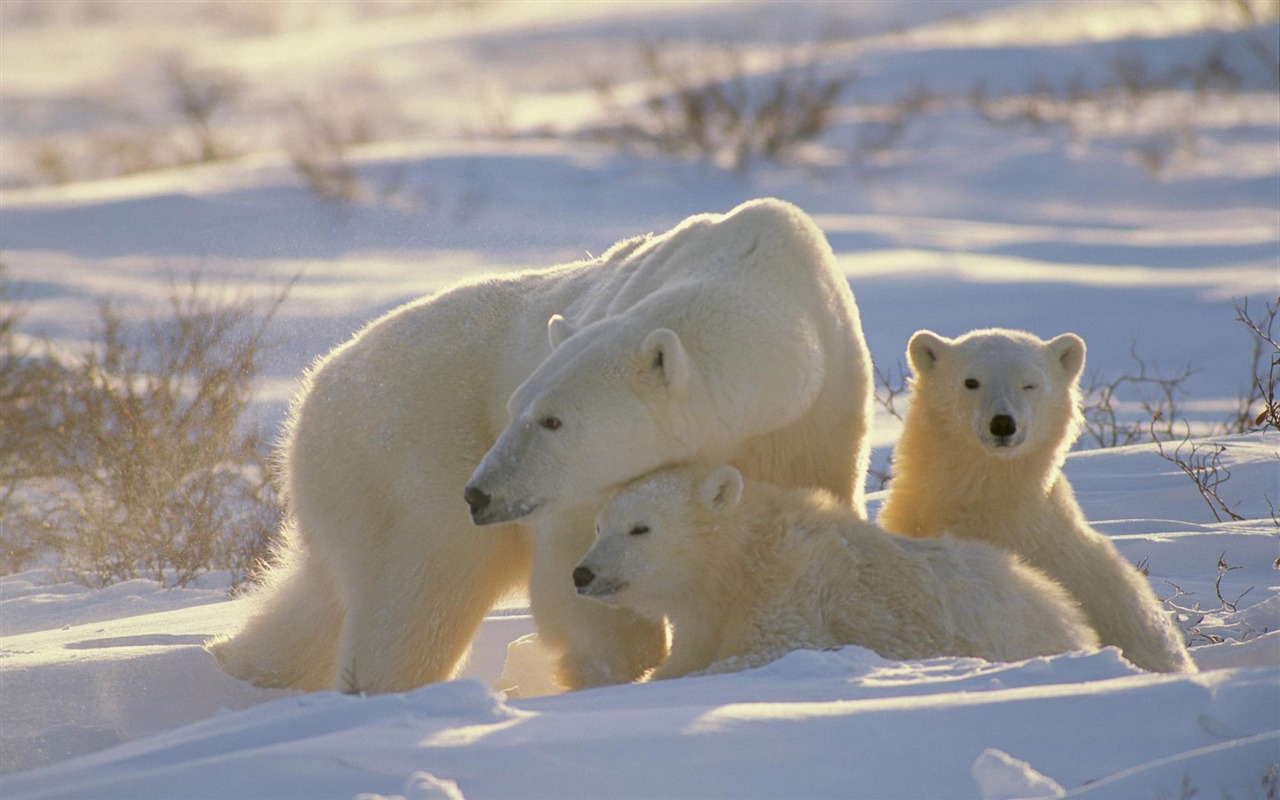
952, 473
732, 336
747, 573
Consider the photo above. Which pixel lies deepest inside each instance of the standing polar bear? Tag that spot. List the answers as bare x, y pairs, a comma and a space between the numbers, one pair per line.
992, 416
731, 337
748, 573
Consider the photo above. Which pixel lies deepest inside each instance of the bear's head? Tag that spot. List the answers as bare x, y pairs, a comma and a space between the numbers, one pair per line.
612, 401
1009, 392
657, 537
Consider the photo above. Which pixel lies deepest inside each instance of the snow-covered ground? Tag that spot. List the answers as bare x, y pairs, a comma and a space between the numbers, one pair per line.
1131, 216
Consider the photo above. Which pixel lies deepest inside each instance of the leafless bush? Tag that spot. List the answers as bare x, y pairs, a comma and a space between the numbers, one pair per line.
891, 386
323, 129
1115, 105
126, 145
1265, 372
198, 95
1157, 396
27, 435
1211, 624
1154, 399
144, 466
130, 136
884, 127
318, 144
1201, 461
707, 104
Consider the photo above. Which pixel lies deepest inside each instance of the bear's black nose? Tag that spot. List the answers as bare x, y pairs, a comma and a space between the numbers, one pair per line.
1003, 425
477, 499
582, 576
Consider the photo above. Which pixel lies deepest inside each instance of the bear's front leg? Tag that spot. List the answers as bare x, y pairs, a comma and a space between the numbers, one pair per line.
596, 645
414, 603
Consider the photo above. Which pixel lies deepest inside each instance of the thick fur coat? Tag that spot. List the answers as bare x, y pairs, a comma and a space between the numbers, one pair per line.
515, 402
992, 416
746, 573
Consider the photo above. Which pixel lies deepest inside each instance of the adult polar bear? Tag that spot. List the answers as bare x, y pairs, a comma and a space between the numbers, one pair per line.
729, 338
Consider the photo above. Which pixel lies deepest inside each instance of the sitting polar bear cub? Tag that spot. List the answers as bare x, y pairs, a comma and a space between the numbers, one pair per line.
992, 416
746, 574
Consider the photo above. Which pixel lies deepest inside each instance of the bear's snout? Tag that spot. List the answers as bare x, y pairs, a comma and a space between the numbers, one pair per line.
476, 498
1002, 425
582, 577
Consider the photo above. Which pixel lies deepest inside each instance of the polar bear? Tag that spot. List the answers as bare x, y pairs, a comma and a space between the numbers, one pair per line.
992, 416
746, 572
732, 336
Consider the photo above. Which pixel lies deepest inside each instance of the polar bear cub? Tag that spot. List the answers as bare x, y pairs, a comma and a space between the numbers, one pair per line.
746, 572
992, 416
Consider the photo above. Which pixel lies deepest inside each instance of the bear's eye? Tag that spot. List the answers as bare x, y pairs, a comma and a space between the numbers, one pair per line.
639, 530
550, 423
971, 383
1030, 387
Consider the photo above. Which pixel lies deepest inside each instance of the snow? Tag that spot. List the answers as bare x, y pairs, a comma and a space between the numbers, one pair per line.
1000, 776
959, 223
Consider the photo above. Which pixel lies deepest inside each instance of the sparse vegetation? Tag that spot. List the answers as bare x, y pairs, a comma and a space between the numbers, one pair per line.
1148, 108
1202, 463
1211, 624
1156, 395
197, 95
724, 104
134, 459
891, 385
708, 103
1261, 394
318, 145
322, 129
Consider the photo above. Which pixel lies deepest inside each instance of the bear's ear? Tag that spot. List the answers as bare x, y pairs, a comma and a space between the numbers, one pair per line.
1068, 349
663, 356
558, 329
925, 350
722, 489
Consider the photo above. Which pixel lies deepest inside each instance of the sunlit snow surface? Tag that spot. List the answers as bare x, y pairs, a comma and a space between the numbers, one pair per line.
959, 223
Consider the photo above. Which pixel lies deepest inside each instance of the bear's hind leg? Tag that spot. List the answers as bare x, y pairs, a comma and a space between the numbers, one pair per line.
290, 638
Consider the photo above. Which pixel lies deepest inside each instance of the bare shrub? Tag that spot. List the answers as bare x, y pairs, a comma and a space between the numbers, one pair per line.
1265, 372
707, 104
891, 385
28, 378
1202, 463
1130, 86
885, 127
318, 143
198, 95
323, 126
1154, 399
132, 135
147, 468
1208, 623
1157, 396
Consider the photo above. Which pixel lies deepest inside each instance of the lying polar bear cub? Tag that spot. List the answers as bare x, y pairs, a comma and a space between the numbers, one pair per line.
748, 573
